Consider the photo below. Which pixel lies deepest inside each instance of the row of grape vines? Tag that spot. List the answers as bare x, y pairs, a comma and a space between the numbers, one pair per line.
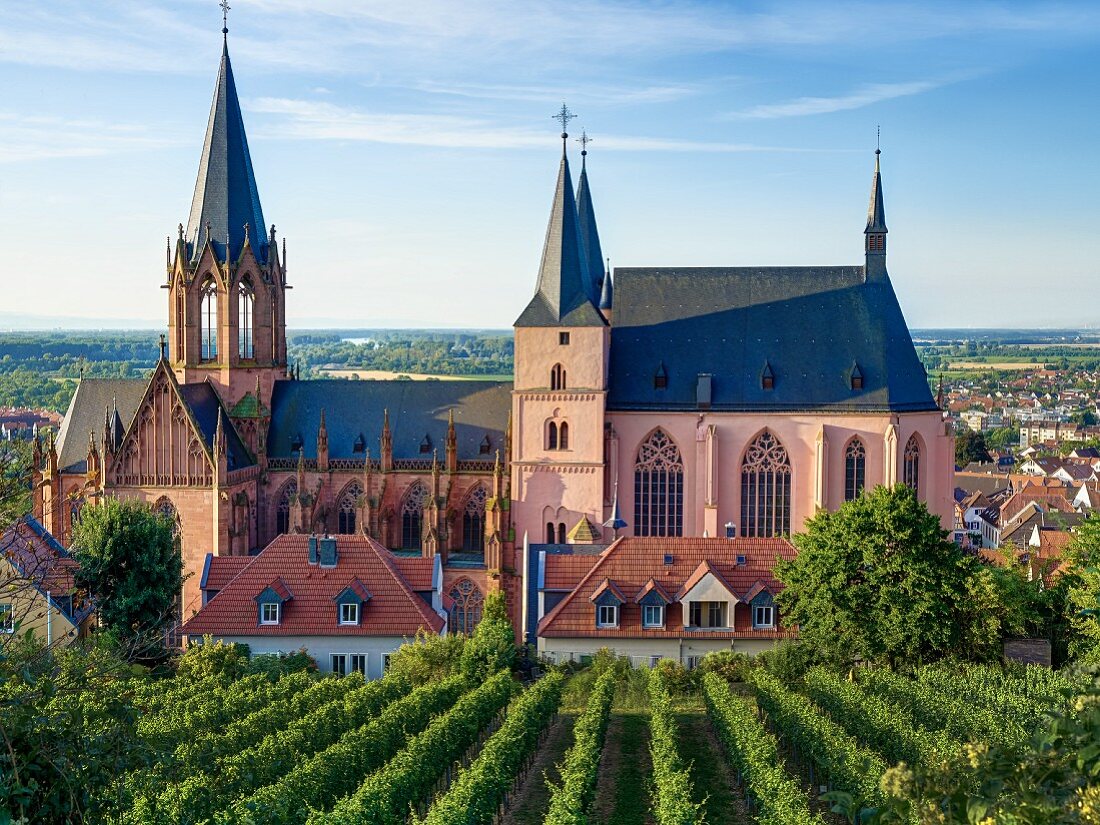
673, 802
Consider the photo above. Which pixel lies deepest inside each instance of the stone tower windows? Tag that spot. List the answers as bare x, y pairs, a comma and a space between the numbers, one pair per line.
557, 377
245, 299
208, 319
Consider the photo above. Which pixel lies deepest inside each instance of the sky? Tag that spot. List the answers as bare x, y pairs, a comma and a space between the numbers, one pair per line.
406, 150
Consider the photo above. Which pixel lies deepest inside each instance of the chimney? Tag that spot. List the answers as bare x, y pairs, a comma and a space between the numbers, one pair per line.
312, 549
328, 551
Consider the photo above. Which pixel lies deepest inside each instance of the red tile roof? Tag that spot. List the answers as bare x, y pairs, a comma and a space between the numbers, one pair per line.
417, 570
394, 608
563, 572
223, 569
632, 562
40, 559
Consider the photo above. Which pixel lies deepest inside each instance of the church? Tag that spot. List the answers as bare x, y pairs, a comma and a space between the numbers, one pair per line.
660, 403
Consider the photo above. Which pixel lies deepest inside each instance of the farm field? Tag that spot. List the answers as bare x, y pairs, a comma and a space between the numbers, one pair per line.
607, 744
386, 375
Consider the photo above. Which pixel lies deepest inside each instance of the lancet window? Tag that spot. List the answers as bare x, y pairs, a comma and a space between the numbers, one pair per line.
412, 516
855, 469
473, 521
765, 488
466, 610
349, 503
911, 464
208, 317
282, 509
659, 487
557, 377
245, 299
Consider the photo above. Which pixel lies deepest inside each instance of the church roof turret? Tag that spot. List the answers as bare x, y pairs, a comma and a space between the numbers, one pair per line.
607, 290
590, 236
562, 297
876, 212
226, 197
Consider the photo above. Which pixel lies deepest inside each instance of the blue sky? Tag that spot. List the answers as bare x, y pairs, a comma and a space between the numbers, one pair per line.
407, 152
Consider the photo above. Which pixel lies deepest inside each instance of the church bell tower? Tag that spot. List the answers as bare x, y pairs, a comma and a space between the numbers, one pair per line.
226, 279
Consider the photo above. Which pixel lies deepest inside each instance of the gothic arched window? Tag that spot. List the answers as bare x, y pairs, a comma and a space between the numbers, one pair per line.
245, 299
563, 436
282, 509
561, 532
552, 436
658, 487
473, 521
466, 610
208, 319
166, 508
412, 515
349, 502
557, 377
911, 464
549, 532
855, 469
765, 488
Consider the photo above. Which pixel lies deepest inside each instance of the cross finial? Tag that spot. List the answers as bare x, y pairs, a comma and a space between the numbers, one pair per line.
224, 4
564, 116
878, 140
584, 140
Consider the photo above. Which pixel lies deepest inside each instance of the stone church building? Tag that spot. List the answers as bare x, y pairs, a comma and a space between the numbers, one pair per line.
650, 402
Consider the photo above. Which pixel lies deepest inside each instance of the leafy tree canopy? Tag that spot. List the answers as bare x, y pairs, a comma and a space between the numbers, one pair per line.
130, 563
970, 446
1081, 580
492, 646
879, 580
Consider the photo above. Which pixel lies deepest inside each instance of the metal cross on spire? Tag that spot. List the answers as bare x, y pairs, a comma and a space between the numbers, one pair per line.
563, 117
584, 140
224, 5
878, 140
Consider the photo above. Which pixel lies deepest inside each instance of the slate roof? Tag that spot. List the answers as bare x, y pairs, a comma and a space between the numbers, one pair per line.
86, 413
876, 211
590, 236
562, 295
204, 403
631, 562
46, 565
226, 195
394, 608
812, 325
416, 409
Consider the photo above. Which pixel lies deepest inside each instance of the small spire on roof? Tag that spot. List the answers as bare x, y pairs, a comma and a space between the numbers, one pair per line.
616, 522
584, 140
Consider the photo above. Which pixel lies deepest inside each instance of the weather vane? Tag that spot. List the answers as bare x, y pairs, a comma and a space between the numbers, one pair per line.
224, 4
564, 116
584, 140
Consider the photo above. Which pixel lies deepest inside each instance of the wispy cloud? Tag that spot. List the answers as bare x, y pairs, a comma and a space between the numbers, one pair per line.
28, 138
604, 95
866, 95
313, 120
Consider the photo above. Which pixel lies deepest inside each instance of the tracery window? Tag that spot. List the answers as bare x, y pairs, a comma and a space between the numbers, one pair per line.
244, 321
208, 318
911, 464
412, 515
466, 610
349, 502
659, 487
855, 469
165, 507
473, 521
765, 488
282, 509
557, 377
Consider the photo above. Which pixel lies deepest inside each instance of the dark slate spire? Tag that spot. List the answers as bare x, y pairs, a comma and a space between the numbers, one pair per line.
876, 213
590, 237
562, 297
226, 197
607, 290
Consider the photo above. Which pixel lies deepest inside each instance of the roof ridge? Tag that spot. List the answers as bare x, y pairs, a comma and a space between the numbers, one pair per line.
388, 561
602, 558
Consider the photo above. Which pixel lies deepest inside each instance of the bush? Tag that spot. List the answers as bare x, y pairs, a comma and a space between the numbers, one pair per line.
676, 679
201, 661
492, 647
790, 661
429, 657
281, 664
728, 665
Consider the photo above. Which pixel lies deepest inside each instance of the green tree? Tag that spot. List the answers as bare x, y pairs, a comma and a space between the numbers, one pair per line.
492, 646
1081, 579
970, 446
131, 565
1086, 418
15, 481
878, 580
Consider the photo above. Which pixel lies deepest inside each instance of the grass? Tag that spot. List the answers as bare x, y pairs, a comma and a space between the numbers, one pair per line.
530, 803
630, 793
711, 779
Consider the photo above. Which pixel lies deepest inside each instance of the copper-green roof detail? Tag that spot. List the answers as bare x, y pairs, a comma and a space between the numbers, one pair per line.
248, 407
562, 296
590, 236
226, 197
876, 212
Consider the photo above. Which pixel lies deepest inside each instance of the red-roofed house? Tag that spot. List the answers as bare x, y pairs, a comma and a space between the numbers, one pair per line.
347, 600
661, 598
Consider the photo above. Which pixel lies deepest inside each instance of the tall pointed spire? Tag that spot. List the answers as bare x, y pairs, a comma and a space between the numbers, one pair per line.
562, 296
586, 216
226, 197
607, 290
875, 233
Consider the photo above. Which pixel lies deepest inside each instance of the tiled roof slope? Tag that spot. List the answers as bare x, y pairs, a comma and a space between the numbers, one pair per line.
220, 570
416, 409
38, 557
417, 570
394, 608
810, 324
86, 413
630, 563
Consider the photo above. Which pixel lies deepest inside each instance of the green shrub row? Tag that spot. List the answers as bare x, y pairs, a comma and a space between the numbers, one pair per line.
571, 799
754, 752
385, 796
340, 768
476, 797
210, 710
848, 765
198, 797
672, 797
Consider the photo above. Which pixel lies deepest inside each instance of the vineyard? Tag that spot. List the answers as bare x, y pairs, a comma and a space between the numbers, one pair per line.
608, 744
